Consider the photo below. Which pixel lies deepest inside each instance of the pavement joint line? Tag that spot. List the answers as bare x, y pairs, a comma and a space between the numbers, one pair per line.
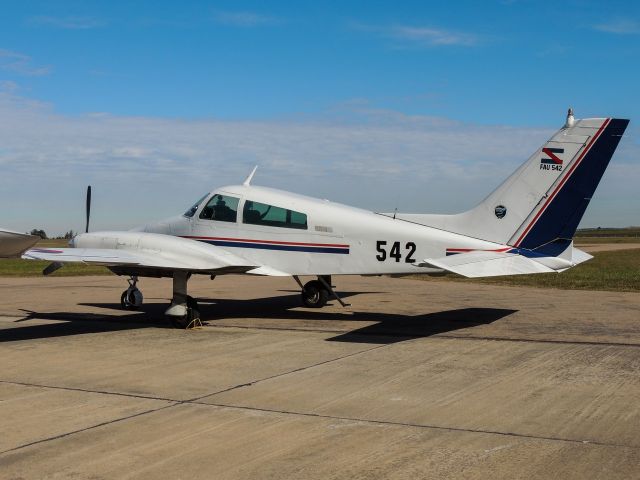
91, 427
175, 403
195, 399
277, 375
86, 390
419, 425
436, 336
198, 401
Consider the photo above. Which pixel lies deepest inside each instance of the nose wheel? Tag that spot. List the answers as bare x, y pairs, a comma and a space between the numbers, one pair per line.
131, 298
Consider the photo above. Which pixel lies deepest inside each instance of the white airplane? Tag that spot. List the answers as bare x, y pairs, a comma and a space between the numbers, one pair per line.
525, 226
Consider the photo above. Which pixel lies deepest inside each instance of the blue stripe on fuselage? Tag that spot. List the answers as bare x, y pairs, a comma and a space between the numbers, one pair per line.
267, 246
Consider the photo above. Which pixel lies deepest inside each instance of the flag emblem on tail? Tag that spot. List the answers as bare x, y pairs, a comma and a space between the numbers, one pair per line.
551, 161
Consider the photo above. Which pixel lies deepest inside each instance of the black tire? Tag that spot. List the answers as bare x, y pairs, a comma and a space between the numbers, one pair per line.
193, 313
314, 294
126, 301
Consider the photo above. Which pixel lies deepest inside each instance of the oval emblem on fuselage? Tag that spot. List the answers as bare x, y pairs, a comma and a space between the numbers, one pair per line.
500, 211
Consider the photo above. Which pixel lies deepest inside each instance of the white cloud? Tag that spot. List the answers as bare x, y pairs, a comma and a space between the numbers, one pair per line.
9, 86
423, 36
620, 27
432, 36
21, 64
69, 22
145, 168
244, 19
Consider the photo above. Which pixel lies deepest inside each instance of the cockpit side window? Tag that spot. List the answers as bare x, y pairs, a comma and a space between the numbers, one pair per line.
222, 208
257, 213
192, 211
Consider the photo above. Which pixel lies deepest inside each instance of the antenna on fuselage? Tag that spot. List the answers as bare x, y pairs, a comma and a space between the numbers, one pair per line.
250, 177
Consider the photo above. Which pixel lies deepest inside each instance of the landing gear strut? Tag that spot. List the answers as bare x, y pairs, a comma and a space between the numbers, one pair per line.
316, 292
183, 311
131, 298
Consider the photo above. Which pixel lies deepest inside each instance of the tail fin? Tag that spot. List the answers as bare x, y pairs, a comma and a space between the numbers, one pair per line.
541, 204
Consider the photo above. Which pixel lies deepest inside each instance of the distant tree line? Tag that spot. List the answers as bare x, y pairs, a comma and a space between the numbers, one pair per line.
43, 235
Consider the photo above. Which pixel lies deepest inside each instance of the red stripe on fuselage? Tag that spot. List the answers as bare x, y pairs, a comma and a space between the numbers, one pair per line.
465, 250
562, 182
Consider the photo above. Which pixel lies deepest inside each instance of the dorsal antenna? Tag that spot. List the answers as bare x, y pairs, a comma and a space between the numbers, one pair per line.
250, 177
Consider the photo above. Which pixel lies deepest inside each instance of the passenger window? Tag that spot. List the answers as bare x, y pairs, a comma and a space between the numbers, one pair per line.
221, 208
257, 213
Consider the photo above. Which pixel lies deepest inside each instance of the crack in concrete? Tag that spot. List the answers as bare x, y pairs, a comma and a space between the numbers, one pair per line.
421, 425
91, 427
278, 375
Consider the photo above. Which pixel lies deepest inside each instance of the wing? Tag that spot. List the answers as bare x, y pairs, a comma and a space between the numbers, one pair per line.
195, 258
13, 244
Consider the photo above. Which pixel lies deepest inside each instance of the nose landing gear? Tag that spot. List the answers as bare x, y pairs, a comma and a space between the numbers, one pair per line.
131, 298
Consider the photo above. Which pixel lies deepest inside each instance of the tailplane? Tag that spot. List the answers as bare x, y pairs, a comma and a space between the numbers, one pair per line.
541, 204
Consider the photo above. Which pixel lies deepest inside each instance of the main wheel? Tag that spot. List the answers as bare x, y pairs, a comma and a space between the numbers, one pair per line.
193, 314
314, 294
131, 299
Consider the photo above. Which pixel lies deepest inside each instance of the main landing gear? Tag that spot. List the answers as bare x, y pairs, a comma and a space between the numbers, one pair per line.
183, 311
315, 293
131, 298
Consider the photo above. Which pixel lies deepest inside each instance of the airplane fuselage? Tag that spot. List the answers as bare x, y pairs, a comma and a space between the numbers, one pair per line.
335, 239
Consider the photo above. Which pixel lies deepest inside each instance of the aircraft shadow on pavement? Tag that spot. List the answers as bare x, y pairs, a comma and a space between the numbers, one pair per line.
75, 323
381, 328
392, 328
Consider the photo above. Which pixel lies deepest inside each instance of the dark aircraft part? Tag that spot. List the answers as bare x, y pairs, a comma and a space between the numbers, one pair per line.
191, 319
88, 208
52, 267
314, 294
131, 298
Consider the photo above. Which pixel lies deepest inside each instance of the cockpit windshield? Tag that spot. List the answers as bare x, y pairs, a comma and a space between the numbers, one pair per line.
191, 212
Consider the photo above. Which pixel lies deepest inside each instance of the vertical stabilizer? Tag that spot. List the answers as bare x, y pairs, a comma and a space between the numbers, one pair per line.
543, 201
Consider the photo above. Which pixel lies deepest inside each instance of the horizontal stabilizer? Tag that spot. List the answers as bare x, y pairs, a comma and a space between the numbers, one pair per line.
579, 256
489, 264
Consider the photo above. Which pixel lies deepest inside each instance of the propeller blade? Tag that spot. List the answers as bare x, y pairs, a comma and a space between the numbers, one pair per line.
88, 207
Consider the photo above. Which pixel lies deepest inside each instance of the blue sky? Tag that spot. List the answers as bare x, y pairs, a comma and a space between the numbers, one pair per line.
431, 102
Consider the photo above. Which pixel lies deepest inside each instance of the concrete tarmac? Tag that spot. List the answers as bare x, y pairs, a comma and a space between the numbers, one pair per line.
414, 380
